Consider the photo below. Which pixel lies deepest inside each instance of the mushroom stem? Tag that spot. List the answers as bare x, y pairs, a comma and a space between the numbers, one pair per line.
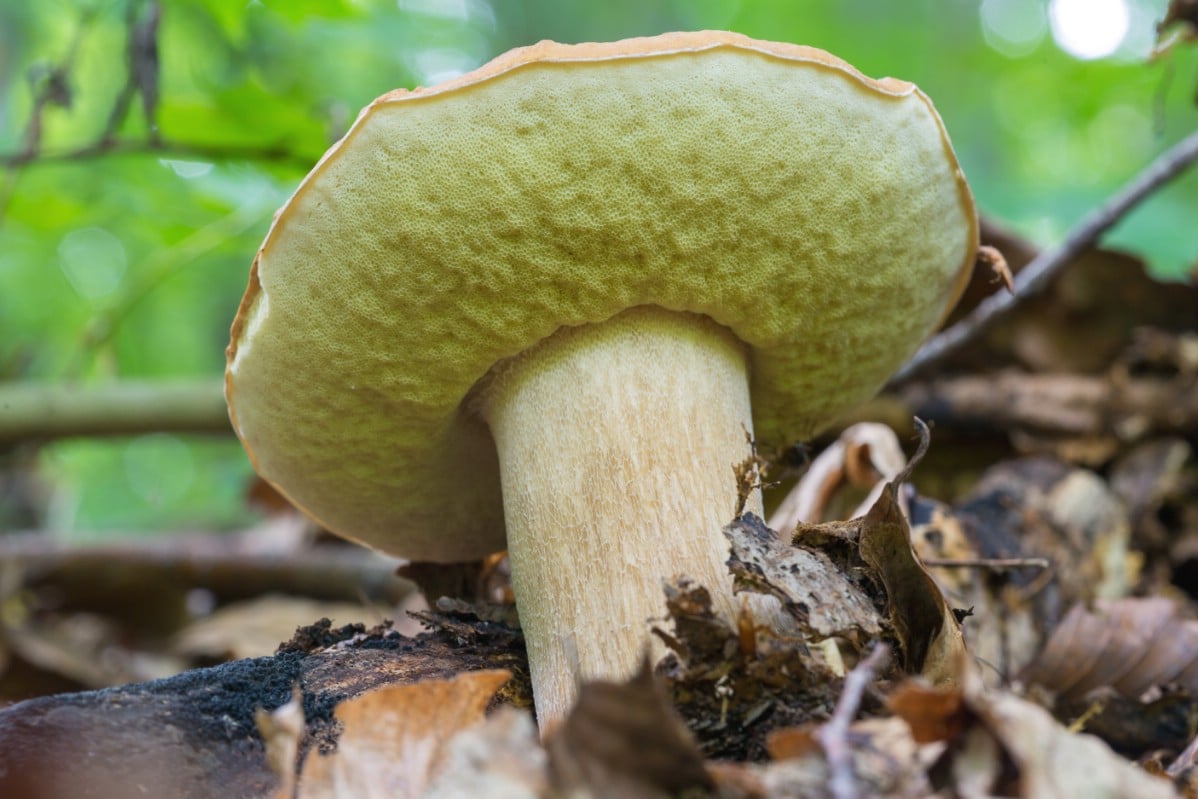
617, 446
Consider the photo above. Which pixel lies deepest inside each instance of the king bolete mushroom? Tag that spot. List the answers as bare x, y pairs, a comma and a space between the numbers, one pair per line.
528, 307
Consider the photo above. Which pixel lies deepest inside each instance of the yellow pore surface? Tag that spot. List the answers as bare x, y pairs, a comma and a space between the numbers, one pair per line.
819, 215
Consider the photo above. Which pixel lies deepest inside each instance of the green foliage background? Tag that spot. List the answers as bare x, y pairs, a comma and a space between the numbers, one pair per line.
126, 258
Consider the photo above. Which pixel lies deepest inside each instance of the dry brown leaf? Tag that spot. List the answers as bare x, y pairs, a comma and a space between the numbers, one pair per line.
1049, 760
501, 758
823, 600
736, 780
1130, 645
395, 738
625, 740
885, 763
282, 731
934, 714
925, 624
791, 742
1041, 506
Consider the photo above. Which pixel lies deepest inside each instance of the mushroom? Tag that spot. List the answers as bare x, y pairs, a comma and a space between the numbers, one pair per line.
527, 307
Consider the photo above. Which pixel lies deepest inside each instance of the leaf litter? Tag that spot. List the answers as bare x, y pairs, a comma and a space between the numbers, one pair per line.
739, 711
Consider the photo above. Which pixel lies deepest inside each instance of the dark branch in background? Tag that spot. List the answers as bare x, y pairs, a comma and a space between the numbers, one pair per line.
1045, 266
276, 153
52, 87
141, 61
55, 86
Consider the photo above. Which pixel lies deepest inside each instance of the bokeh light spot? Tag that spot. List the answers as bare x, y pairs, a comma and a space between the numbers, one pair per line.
1089, 29
1013, 27
93, 262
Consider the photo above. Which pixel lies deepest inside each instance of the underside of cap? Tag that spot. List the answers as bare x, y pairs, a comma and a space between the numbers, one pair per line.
819, 215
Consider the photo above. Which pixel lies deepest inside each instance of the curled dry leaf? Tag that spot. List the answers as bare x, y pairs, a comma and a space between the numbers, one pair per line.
929, 632
827, 598
1130, 645
395, 739
864, 457
991, 258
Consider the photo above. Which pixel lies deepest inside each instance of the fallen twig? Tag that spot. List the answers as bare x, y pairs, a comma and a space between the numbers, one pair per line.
1048, 263
833, 736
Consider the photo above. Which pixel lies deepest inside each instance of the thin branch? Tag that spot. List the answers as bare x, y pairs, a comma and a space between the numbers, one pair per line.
276, 153
57, 410
1048, 263
834, 735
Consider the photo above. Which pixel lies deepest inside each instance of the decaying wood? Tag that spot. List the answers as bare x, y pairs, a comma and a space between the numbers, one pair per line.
195, 735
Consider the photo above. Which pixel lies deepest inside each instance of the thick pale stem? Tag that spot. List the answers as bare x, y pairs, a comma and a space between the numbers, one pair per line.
617, 446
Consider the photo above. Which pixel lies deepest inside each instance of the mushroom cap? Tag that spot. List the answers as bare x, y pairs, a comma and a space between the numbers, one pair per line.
818, 214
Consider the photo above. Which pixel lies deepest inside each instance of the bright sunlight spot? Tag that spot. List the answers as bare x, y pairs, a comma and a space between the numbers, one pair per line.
1089, 28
